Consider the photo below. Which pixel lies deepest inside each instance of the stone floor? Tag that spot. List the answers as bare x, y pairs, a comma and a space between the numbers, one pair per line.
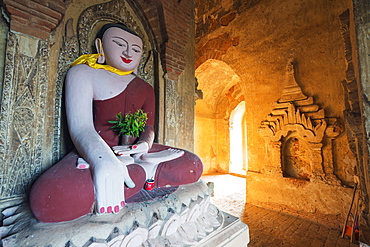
270, 228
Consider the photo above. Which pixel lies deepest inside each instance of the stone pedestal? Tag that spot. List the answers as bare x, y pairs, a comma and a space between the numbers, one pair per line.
184, 218
233, 233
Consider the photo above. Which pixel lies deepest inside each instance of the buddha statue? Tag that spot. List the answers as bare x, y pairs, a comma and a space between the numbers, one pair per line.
101, 173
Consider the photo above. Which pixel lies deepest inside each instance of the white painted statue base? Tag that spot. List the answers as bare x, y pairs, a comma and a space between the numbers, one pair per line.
184, 218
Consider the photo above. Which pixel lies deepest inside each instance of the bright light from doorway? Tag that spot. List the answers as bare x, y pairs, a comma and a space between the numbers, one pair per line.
238, 141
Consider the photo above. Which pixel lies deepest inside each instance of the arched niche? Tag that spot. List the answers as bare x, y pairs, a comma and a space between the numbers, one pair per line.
296, 158
221, 91
296, 131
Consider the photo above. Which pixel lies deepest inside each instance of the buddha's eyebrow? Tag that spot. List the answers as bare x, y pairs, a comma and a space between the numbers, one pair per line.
127, 42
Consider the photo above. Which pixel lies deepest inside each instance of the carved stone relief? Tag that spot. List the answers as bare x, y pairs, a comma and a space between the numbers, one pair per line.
82, 42
3, 33
296, 131
183, 218
22, 116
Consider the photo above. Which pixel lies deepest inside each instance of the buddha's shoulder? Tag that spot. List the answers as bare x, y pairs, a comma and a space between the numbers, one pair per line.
83, 74
82, 70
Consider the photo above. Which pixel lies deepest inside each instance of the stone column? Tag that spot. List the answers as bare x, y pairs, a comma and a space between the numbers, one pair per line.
276, 158
25, 149
316, 160
23, 117
362, 25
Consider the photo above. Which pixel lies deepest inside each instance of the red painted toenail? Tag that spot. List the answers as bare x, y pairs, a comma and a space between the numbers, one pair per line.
116, 209
109, 209
123, 204
101, 210
134, 146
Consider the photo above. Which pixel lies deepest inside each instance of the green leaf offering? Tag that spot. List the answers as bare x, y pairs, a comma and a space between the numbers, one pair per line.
131, 124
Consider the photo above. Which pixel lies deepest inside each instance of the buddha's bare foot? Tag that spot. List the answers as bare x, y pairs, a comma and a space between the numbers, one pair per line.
161, 156
150, 161
121, 150
82, 164
126, 160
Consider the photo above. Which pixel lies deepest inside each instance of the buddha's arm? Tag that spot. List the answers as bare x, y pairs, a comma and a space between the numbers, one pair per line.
108, 172
79, 96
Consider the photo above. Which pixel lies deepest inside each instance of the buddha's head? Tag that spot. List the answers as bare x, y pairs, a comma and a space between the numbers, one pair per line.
121, 47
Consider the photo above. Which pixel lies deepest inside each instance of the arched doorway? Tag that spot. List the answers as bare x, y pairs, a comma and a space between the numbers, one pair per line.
238, 138
221, 94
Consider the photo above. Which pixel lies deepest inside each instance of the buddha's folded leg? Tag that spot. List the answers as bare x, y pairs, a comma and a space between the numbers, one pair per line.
65, 193
183, 170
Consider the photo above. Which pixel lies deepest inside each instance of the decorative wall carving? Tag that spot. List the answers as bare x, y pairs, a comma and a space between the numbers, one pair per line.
68, 54
296, 131
287, 118
82, 42
22, 116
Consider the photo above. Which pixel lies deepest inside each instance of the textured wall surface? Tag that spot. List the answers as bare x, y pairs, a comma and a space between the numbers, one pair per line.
252, 43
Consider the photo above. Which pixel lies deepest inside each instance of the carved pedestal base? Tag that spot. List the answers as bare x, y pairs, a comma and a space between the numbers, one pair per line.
183, 218
233, 233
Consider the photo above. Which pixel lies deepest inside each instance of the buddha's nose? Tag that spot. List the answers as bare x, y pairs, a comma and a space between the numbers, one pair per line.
127, 53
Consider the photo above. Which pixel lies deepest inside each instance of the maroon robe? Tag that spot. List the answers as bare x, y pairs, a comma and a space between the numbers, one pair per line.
65, 193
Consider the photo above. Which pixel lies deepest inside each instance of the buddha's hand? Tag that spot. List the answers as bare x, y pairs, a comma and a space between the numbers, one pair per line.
126, 150
109, 180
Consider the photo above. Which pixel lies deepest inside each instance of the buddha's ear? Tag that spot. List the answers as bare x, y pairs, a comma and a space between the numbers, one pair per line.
99, 48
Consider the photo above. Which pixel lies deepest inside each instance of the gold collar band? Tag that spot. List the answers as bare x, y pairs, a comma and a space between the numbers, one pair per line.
90, 60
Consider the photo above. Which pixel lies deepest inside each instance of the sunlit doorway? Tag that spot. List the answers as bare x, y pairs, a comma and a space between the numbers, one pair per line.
238, 147
221, 93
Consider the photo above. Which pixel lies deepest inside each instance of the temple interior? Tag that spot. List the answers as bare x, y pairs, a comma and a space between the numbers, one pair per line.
272, 91
263, 72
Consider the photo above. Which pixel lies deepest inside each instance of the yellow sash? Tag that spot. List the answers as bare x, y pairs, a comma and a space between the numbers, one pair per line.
90, 60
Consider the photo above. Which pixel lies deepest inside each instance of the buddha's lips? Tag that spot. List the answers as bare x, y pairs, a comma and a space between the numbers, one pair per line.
126, 60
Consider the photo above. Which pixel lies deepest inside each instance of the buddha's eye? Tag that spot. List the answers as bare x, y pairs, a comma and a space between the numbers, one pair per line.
136, 50
119, 43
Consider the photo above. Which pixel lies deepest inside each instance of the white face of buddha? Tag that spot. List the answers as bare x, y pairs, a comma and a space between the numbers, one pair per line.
121, 49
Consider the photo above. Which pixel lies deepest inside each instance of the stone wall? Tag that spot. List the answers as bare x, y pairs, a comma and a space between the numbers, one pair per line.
44, 37
360, 27
255, 40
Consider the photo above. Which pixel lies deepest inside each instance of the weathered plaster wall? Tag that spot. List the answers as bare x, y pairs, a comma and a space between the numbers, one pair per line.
361, 25
260, 37
179, 101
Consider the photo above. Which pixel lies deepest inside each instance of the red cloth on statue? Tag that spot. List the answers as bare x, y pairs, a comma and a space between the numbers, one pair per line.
137, 95
65, 193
